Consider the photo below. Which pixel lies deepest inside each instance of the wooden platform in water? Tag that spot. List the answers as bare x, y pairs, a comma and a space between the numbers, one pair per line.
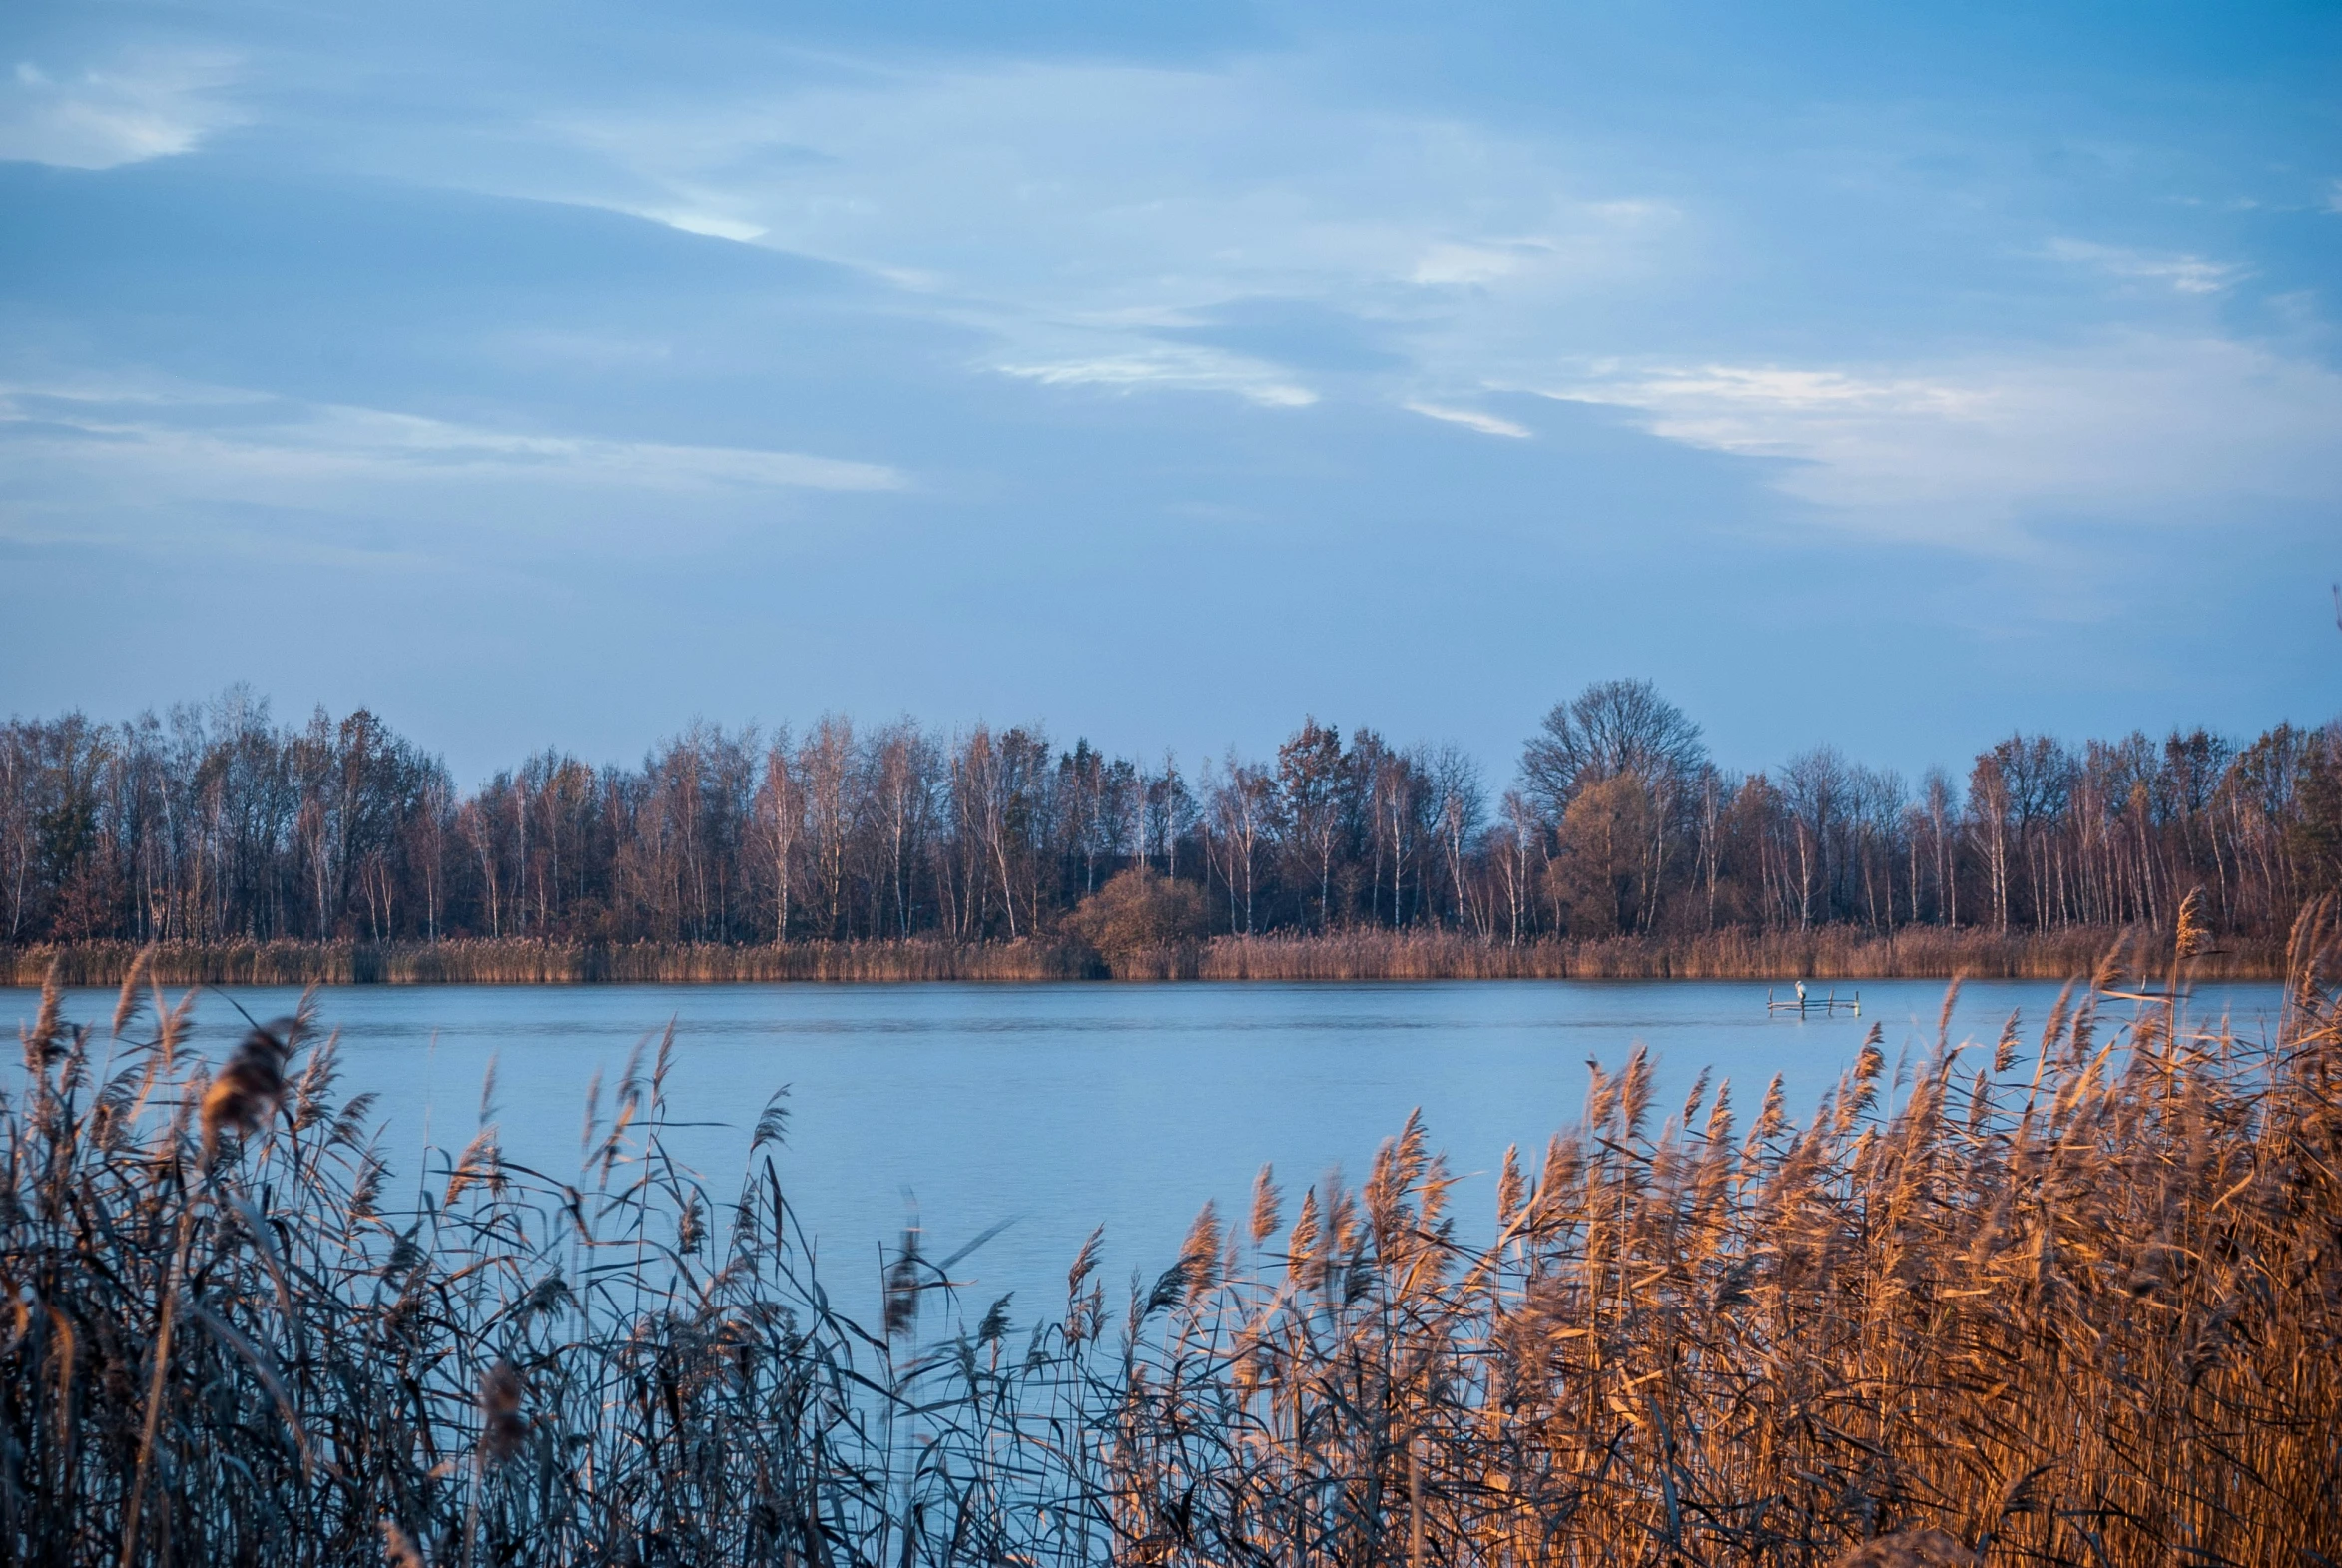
1825, 1005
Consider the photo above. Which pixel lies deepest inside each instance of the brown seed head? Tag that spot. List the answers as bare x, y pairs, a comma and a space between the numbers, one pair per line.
1511, 1185
1267, 1206
1305, 1230
1199, 1254
41, 1045
1085, 1263
398, 1548
250, 1087
505, 1427
2189, 939
126, 1005
902, 1287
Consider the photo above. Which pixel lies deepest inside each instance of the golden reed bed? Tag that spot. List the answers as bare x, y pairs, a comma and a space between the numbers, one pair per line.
1834, 952
2070, 1295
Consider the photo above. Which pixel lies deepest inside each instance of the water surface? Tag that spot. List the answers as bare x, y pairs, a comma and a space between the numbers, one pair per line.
1058, 1107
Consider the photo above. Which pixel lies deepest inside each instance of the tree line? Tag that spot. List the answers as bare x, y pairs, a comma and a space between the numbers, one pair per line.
214, 823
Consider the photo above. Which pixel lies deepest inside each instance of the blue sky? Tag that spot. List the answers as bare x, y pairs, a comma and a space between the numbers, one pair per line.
554, 375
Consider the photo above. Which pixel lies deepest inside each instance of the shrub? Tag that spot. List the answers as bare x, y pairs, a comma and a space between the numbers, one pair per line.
1143, 925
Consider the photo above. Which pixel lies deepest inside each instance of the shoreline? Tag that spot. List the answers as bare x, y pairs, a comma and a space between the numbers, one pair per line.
1826, 954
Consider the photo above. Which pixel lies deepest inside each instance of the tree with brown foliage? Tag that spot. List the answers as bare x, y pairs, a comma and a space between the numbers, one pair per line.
1142, 924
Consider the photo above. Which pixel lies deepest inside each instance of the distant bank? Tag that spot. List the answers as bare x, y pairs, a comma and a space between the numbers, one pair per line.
1837, 952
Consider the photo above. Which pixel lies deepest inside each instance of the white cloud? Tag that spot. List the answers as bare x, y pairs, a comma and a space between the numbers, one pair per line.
711, 225
1485, 424
378, 441
1965, 451
1168, 368
150, 105
1447, 263
1765, 410
2185, 273
233, 445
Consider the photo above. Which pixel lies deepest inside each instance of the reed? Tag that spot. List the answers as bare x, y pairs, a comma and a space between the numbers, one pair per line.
475, 1363
528, 962
1828, 952
2070, 1300
2071, 1296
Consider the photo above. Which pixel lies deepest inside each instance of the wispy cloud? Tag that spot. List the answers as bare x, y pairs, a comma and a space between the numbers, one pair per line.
1963, 451
1171, 369
145, 105
1447, 264
2183, 272
714, 225
261, 437
1485, 424
1768, 410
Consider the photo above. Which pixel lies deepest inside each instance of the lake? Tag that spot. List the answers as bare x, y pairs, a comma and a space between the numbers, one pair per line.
1060, 1106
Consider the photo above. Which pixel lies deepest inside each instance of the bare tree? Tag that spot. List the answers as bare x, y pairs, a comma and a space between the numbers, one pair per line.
904, 766
1313, 778
780, 810
1456, 806
825, 763
1242, 807
1610, 727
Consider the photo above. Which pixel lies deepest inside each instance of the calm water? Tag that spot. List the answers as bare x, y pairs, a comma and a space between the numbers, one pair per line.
1060, 1107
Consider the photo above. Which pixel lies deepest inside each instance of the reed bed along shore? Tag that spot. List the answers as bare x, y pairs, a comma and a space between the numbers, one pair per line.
525, 962
2072, 1294
1834, 953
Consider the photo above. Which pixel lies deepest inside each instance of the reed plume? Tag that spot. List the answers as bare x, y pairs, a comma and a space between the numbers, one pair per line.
251, 1084
502, 1427
398, 1548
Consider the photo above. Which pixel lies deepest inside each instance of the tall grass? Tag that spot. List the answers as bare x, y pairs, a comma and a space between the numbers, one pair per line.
1832, 952
2073, 1299
2072, 1296
474, 1364
514, 961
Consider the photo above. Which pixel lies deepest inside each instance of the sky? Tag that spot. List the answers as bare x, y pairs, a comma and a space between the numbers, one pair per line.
539, 374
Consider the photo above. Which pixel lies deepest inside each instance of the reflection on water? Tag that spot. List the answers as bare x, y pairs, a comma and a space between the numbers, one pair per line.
1061, 1107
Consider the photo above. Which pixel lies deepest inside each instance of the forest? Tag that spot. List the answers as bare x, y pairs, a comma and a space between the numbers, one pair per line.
215, 823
